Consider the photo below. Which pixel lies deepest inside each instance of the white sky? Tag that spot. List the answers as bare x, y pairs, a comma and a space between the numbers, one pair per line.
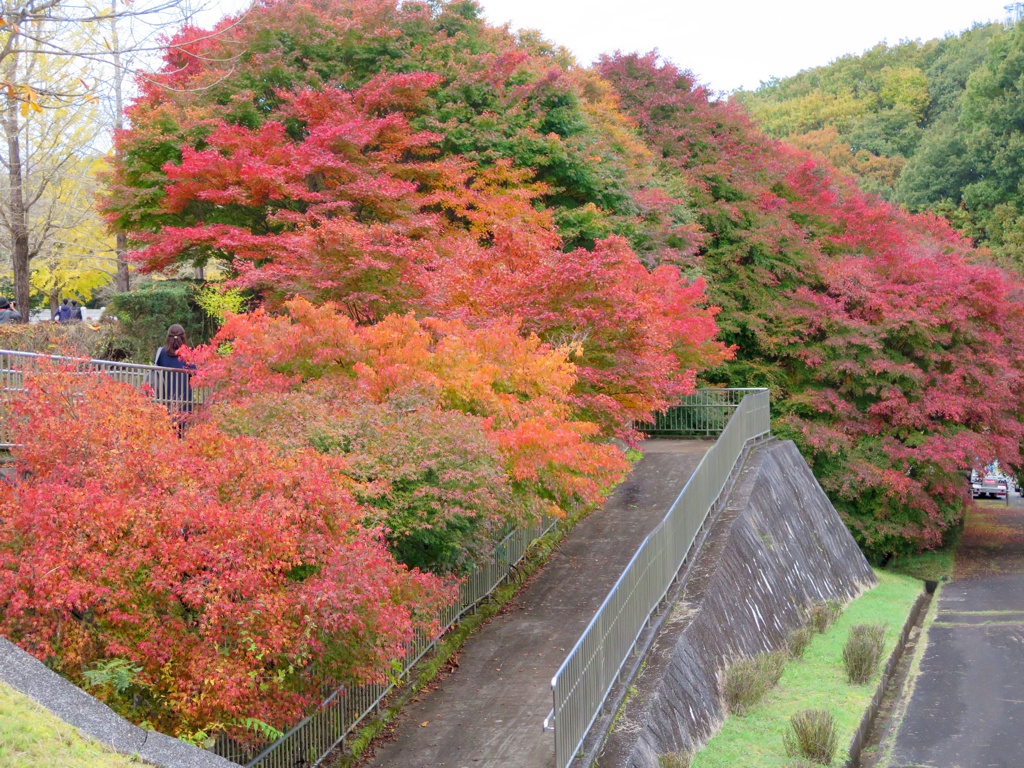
741, 43
727, 45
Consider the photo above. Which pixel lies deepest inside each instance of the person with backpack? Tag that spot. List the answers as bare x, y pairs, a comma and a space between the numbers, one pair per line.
76, 312
63, 313
8, 314
173, 386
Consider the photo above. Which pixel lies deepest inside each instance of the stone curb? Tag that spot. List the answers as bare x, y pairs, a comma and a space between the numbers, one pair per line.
94, 719
867, 719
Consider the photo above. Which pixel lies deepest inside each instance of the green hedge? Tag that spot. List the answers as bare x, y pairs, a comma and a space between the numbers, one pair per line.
145, 314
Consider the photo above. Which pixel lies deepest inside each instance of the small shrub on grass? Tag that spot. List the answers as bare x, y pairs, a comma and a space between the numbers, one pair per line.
863, 651
798, 640
812, 735
748, 680
821, 616
681, 759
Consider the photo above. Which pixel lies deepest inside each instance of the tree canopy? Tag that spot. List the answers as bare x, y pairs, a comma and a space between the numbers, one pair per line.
892, 355
933, 126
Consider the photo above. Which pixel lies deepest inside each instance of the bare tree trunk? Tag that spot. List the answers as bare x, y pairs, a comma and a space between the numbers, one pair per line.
123, 278
122, 281
17, 215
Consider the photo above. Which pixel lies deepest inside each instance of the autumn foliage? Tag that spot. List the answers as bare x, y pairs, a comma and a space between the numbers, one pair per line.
506, 182
232, 581
475, 262
459, 189
893, 354
449, 434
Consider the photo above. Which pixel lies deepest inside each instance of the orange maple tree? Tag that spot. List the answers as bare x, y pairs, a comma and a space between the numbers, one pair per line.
228, 581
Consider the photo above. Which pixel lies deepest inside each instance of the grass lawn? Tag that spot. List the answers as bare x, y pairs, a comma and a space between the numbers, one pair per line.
817, 681
32, 737
932, 564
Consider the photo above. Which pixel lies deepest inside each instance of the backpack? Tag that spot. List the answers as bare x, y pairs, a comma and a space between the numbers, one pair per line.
63, 313
76, 313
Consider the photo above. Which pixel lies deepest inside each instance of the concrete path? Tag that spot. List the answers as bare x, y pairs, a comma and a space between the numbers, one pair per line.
966, 709
488, 713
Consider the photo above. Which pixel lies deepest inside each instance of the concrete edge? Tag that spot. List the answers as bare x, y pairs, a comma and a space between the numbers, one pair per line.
868, 718
94, 719
594, 742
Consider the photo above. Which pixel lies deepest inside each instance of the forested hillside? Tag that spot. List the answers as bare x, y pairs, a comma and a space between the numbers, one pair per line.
933, 126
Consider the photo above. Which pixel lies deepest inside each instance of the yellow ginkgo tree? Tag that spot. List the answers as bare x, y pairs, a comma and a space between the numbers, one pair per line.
77, 256
61, 62
47, 190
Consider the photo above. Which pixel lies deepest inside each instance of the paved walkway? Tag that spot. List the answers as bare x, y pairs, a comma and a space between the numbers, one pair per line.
488, 713
966, 709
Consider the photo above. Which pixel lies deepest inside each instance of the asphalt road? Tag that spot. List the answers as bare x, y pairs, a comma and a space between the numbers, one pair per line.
965, 707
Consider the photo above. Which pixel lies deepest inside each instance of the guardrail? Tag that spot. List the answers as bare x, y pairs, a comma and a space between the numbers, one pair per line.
169, 385
584, 680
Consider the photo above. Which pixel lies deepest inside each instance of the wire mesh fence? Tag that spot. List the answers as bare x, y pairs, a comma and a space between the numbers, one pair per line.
582, 684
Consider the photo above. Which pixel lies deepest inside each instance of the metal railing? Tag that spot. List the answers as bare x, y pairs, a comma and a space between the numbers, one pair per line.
315, 737
704, 413
584, 680
170, 386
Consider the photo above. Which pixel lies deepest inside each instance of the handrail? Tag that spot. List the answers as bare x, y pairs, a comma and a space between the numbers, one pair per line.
582, 683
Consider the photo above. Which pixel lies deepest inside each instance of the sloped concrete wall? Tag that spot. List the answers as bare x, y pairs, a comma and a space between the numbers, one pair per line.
776, 547
29, 676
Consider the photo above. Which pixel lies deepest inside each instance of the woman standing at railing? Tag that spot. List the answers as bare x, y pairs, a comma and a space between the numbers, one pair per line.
173, 386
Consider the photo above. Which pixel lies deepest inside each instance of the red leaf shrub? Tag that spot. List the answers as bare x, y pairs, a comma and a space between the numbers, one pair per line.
234, 579
450, 433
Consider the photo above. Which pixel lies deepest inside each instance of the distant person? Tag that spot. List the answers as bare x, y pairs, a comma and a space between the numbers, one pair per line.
76, 312
8, 312
63, 313
173, 387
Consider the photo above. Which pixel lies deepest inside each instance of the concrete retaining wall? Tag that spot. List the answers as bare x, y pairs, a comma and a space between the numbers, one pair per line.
777, 547
71, 704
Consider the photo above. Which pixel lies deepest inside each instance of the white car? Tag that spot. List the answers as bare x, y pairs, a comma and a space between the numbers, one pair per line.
989, 486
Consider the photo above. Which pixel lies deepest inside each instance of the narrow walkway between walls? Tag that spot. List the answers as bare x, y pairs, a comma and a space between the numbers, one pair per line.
488, 713
965, 707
